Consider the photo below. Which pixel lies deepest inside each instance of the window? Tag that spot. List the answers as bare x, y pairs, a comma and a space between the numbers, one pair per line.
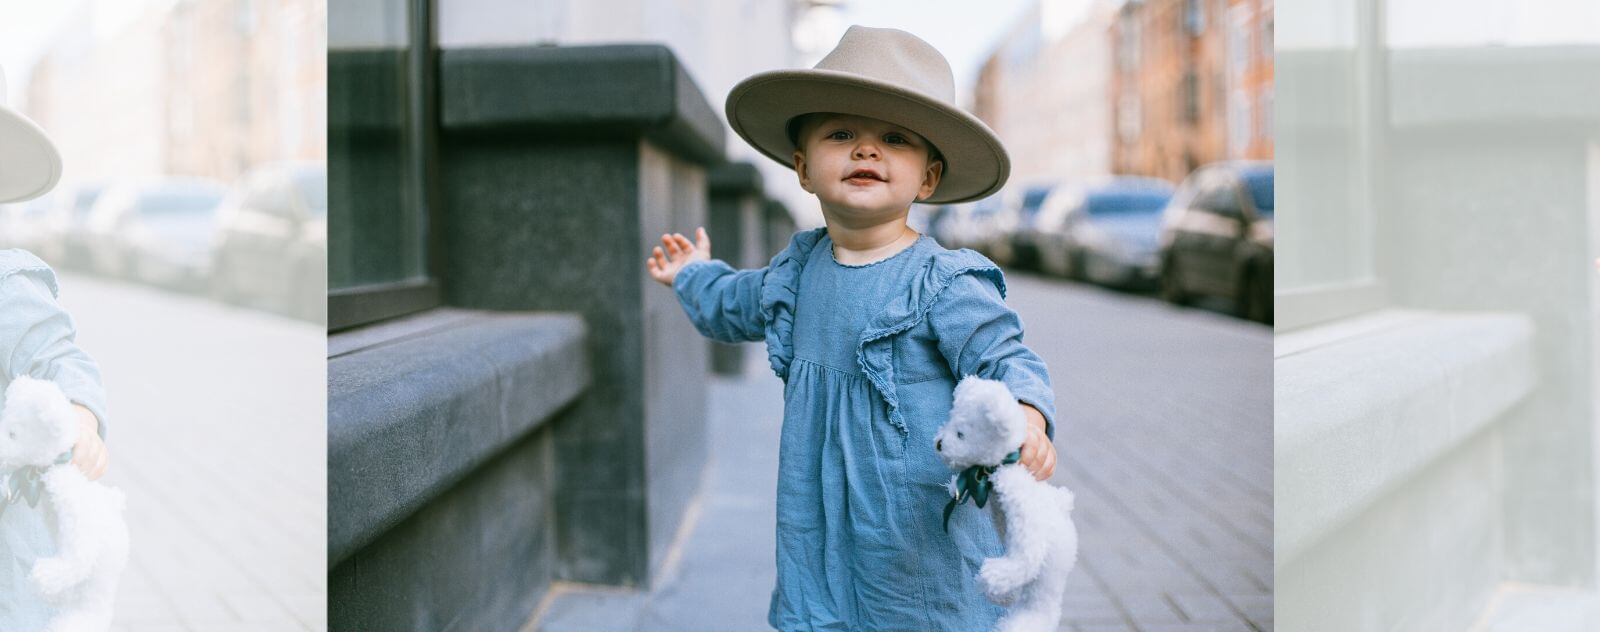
1191, 97
1327, 153
1194, 16
1129, 39
379, 146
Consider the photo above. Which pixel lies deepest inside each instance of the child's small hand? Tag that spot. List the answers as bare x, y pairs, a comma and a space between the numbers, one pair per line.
1038, 453
89, 454
664, 267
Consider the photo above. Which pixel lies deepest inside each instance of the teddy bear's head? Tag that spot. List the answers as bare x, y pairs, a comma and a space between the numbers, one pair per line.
986, 424
37, 424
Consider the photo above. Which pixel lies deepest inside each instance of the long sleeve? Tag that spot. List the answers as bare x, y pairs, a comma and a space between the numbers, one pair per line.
979, 335
37, 340
724, 304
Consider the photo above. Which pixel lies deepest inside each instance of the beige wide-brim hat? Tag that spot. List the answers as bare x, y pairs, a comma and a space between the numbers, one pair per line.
886, 74
29, 164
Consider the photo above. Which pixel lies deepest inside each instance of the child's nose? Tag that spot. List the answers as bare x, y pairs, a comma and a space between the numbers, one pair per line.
865, 150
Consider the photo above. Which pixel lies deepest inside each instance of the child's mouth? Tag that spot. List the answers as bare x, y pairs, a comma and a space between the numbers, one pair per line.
863, 178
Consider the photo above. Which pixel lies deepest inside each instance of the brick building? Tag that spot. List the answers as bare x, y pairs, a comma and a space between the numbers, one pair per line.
1191, 83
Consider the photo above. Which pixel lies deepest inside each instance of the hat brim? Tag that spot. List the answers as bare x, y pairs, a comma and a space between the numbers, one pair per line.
759, 109
29, 164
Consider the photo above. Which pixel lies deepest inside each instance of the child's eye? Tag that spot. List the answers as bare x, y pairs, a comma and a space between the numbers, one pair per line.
840, 135
896, 138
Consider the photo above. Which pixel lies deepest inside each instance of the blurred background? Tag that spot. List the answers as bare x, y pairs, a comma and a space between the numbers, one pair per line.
194, 136
188, 232
525, 431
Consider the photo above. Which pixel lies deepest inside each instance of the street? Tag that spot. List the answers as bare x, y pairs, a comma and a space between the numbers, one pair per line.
1165, 436
217, 437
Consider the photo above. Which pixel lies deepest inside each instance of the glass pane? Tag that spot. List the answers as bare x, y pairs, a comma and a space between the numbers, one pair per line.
1324, 57
376, 218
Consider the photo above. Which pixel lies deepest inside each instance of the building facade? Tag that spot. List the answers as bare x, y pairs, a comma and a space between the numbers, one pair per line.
207, 89
1191, 83
1043, 91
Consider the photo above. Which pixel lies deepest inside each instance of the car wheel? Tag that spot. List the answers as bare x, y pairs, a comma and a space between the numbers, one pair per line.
1077, 263
1171, 287
1254, 302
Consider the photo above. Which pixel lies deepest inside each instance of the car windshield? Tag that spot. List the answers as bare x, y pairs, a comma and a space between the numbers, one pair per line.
1105, 203
173, 202
84, 200
313, 187
1259, 182
1032, 199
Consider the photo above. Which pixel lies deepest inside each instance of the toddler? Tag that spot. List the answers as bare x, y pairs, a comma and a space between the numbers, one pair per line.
870, 325
36, 340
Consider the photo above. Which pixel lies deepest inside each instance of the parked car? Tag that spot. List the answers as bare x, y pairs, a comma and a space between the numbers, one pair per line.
1013, 242
970, 224
165, 217
272, 241
1216, 238
23, 225
1105, 231
65, 240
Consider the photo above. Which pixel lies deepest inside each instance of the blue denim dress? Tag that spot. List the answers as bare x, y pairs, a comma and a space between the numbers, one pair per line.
870, 356
36, 340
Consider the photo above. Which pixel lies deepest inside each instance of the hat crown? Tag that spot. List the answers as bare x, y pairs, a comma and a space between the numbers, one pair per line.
894, 57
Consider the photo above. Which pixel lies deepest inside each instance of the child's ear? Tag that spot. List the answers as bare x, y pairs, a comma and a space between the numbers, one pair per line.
930, 179
800, 170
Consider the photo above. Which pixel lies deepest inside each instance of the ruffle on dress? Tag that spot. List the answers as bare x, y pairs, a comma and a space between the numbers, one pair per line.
875, 350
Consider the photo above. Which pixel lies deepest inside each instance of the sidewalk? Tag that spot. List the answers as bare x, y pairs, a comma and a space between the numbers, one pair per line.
1166, 439
217, 438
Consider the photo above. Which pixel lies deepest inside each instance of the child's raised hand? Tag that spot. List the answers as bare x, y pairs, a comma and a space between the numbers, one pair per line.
1038, 453
89, 453
664, 265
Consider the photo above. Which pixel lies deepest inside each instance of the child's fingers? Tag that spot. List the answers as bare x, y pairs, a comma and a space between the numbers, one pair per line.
659, 257
672, 246
683, 242
701, 240
1049, 467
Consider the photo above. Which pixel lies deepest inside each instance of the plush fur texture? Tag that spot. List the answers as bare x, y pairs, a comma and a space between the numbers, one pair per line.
1035, 517
37, 426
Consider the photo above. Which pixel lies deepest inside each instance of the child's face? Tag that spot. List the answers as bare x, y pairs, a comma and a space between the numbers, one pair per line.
840, 146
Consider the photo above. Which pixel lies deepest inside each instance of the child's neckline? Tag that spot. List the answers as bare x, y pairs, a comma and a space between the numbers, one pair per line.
835, 259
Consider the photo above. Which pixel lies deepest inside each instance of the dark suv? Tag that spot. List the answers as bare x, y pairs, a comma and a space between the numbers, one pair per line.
1216, 238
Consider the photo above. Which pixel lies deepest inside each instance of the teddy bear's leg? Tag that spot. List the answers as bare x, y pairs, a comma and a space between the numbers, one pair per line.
1038, 605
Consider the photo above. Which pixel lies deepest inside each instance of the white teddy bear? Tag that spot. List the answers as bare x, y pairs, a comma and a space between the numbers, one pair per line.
37, 431
982, 439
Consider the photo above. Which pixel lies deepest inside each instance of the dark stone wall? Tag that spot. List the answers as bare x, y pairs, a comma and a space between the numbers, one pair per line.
554, 206
737, 219
437, 570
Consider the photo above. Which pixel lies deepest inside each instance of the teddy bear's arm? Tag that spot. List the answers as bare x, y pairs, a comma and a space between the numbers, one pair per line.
1026, 546
77, 549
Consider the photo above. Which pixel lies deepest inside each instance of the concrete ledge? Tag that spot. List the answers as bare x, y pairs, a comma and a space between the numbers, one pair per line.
579, 92
412, 413
1364, 403
734, 178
